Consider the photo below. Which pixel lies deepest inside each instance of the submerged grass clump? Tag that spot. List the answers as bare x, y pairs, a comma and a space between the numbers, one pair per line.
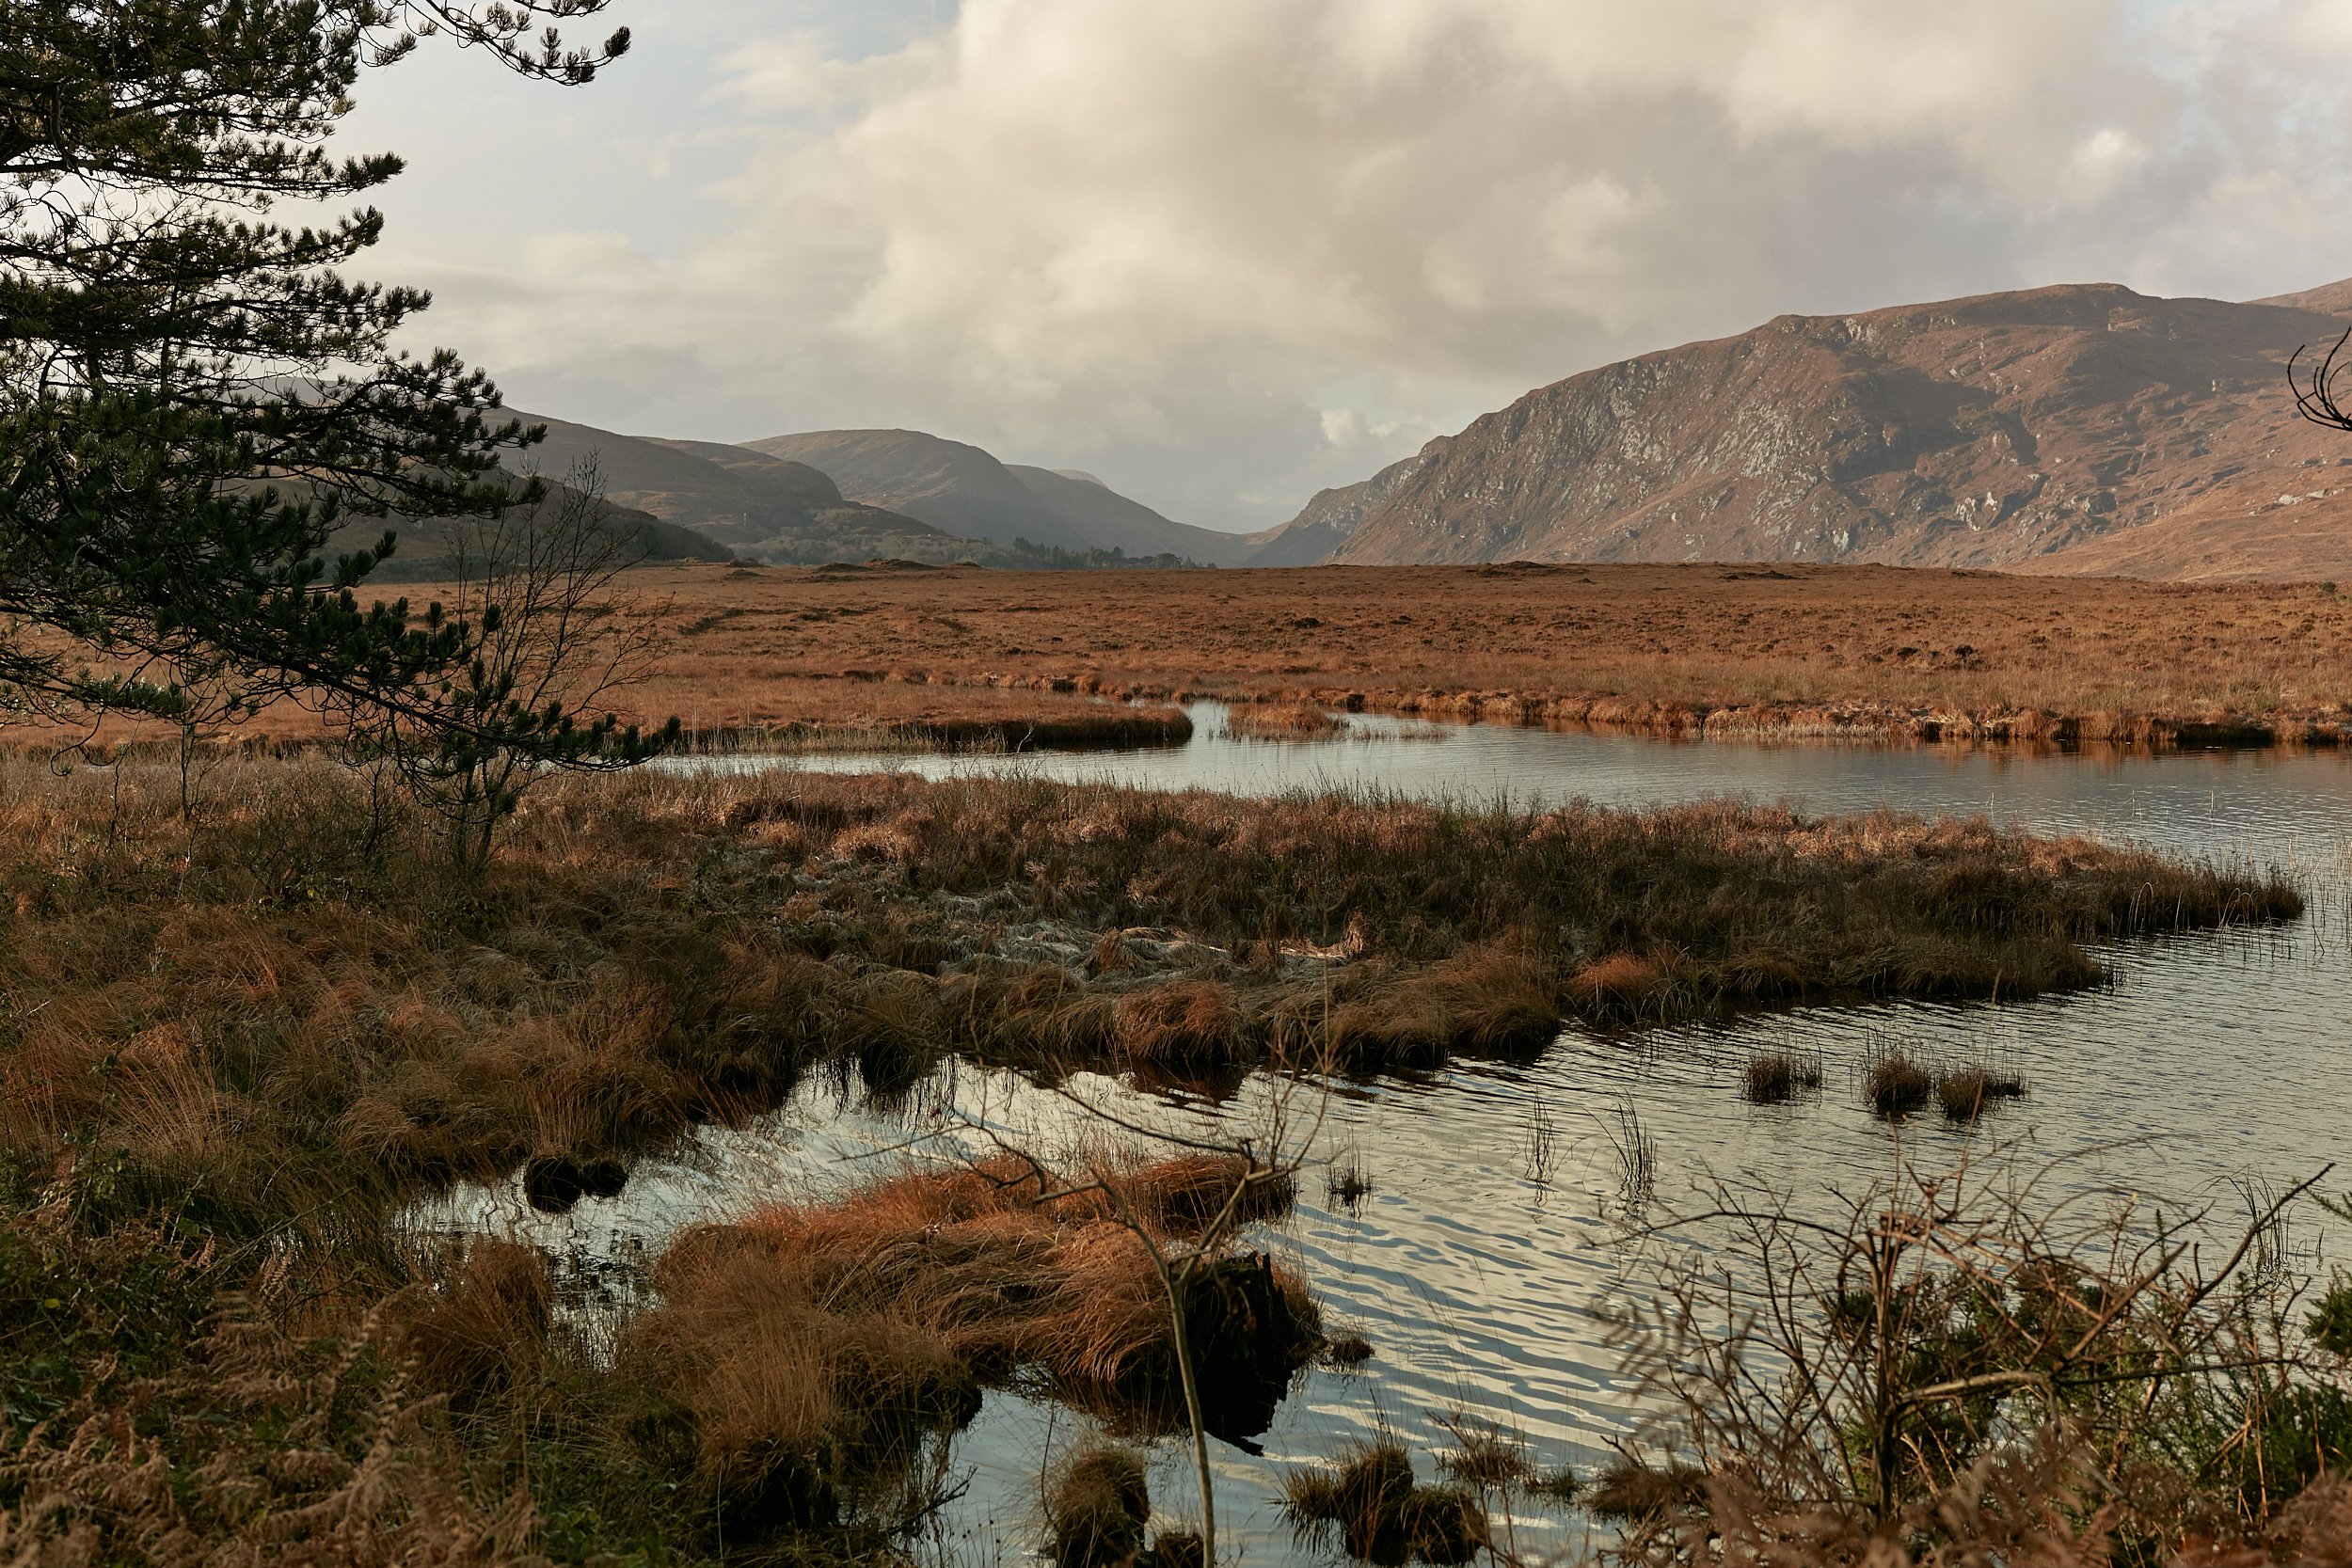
1282, 722
1096, 1505
1775, 1076
1895, 1085
1371, 1502
1965, 1094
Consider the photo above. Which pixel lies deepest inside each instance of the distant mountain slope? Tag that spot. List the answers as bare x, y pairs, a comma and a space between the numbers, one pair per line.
762, 508
964, 489
1987, 432
2243, 537
1327, 521
2329, 299
424, 552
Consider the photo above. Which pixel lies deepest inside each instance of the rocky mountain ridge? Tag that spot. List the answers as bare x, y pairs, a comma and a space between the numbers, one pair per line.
2034, 430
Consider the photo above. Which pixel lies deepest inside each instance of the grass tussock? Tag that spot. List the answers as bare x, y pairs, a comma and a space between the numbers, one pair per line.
1776, 1076
1965, 1094
838, 1330
1282, 722
1097, 1502
1371, 1502
485, 1329
1486, 1001
1627, 1490
1895, 1085
1181, 1024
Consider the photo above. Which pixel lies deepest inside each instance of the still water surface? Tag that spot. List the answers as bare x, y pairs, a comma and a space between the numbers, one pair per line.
1498, 1216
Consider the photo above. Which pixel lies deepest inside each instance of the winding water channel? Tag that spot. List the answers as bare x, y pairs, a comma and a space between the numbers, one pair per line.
1495, 1222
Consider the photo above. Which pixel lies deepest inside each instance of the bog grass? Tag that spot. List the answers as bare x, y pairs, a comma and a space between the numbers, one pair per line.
1281, 721
1775, 1076
232, 1051
1681, 649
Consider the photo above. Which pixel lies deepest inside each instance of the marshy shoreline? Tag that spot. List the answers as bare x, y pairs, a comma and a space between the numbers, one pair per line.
235, 1050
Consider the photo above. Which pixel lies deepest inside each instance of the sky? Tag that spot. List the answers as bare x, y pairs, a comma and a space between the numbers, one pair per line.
1224, 253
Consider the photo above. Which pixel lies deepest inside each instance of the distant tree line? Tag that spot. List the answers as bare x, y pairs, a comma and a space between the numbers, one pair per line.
1055, 557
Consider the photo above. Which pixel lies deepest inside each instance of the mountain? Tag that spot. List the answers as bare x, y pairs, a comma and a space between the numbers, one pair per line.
1326, 521
964, 489
762, 508
2038, 428
427, 546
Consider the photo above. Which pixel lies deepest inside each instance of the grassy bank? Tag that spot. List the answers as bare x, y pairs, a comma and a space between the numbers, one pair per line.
231, 1051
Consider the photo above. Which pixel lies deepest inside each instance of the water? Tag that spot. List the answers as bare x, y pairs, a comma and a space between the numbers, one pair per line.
1498, 1219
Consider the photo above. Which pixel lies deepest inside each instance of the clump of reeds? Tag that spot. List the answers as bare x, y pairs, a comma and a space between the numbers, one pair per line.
1096, 1504
1486, 1454
1896, 1086
1775, 1076
1380, 1514
1629, 1492
1282, 722
1345, 1185
1177, 1548
1965, 1094
486, 1328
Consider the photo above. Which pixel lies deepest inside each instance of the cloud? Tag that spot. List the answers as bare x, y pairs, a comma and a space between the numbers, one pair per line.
1224, 252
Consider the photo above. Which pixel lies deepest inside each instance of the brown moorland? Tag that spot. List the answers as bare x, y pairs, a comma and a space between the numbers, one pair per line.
891, 655
1714, 650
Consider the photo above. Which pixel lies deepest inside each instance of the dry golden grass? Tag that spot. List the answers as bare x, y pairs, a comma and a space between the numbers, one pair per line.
1785, 650
1281, 721
845, 1330
786, 655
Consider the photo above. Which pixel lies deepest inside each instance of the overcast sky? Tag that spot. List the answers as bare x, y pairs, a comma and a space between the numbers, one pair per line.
1226, 252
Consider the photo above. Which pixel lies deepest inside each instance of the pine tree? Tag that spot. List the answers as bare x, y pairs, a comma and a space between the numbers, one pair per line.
193, 398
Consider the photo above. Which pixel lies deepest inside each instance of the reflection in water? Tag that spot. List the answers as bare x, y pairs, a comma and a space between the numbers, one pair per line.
1491, 1229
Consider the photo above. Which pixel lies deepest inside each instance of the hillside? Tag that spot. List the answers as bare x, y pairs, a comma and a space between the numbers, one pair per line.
426, 546
760, 507
1327, 521
964, 489
2005, 430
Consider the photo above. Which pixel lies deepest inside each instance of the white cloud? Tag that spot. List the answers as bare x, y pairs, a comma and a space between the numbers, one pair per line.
1149, 237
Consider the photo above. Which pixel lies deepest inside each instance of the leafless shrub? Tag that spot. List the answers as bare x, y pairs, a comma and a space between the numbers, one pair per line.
1955, 1368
